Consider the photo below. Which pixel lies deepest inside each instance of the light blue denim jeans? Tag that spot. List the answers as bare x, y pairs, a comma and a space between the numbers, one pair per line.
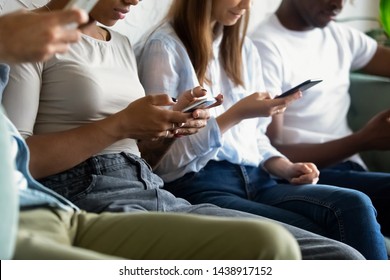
342, 214
125, 183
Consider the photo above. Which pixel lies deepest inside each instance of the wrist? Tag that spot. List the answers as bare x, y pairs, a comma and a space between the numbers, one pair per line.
358, 141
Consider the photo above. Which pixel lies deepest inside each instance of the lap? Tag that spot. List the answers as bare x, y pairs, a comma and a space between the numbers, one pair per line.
47, 234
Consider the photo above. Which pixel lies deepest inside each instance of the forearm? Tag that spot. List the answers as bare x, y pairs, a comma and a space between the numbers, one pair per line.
228, 119
57, 152
278, 166
323, 154
154, 151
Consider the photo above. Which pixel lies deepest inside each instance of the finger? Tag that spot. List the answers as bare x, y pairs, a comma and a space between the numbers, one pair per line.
186, 131
199, 92
219, 101
66, 17
58, 48
195, 124
290, 98
194, 93
166, 134
304, 179
278, 110
178, 118
67, 36
160, 100
201, 114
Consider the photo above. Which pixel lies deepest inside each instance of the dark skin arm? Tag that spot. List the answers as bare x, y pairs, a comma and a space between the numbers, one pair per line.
372, 136
144, 118
379, 64
375, 135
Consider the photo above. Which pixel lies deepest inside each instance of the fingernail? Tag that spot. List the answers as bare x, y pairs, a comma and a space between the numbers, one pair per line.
174, 99
203, 89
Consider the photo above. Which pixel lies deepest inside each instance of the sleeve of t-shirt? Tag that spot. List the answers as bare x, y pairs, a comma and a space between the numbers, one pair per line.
271, 62
362, 47
21, 96
158, 72
255, 66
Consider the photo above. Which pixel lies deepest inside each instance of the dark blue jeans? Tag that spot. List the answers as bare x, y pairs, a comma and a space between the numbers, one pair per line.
374, 184
343, 214
125, 183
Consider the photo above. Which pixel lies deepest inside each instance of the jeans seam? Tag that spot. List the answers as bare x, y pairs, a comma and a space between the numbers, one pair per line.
245, 178
335, 210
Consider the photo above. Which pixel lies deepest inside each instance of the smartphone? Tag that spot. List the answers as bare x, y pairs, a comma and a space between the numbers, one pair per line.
199, 104
86, 5
302, 87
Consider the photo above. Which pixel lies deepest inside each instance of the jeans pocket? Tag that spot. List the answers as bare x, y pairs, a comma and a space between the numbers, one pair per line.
70, 186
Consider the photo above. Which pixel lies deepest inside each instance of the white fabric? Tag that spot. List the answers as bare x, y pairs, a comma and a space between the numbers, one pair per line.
291, 57
164, 66
78, 87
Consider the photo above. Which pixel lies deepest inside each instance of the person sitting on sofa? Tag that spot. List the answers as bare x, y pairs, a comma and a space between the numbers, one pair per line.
115, 179
302, 41
30, 37
51, 227
231, 162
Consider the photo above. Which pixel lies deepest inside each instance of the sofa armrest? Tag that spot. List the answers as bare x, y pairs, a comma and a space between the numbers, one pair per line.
369, 95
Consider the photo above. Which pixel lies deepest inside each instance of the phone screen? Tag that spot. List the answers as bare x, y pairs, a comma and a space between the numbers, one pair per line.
302, 87
199, 104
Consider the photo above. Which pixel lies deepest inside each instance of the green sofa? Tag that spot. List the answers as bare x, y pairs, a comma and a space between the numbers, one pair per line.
369, 95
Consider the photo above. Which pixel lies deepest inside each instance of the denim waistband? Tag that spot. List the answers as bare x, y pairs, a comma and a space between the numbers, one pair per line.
100, 164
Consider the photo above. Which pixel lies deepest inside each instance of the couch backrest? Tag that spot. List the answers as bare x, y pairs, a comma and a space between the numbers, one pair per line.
369, 95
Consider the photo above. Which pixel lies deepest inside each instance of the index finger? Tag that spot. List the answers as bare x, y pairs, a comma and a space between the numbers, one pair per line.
287, 99
66, 17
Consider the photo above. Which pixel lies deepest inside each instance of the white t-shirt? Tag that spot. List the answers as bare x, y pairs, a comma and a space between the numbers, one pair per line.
95, 79
291, 57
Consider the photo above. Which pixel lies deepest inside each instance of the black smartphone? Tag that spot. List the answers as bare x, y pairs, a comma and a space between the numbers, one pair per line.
302, 87
199, 104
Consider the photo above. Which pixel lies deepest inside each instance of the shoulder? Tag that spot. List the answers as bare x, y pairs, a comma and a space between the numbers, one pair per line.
162, 41
268, 29
119, 38
269, 35
340, 30
249, 48
346, 35
164, 35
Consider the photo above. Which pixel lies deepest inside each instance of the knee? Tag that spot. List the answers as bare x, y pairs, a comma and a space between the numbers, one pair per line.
353, 199
268, 241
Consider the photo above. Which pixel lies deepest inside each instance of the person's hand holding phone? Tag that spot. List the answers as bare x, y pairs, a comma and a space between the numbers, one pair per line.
260, 104
301, 87
186, 103
84, 5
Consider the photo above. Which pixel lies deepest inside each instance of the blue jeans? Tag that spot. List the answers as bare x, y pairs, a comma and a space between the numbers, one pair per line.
125, 183
375, 185
341, 214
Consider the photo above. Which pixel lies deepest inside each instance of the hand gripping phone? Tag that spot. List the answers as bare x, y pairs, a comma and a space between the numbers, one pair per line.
301, 87
201, 103
85, 5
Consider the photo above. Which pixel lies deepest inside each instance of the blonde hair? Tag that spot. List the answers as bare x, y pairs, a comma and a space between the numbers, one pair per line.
191, 20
